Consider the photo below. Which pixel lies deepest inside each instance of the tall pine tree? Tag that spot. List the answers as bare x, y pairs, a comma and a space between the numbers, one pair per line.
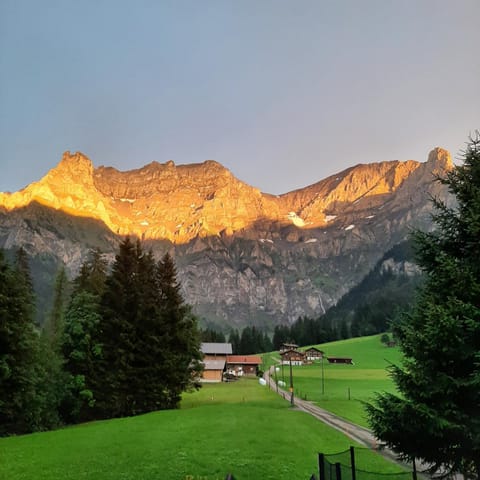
18, 349
148, 337
115, 377
181, 337
437, 416
80, 344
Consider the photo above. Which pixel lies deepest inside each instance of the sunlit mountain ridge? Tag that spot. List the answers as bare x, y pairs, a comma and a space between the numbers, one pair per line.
179, 203
244, 257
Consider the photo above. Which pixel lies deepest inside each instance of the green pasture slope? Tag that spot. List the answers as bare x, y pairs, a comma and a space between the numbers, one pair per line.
367, 376
240, 427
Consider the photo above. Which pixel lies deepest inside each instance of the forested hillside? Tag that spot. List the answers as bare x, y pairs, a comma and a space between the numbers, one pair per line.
367, 309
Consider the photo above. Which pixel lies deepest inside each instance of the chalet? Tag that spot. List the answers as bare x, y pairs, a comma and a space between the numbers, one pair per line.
243, 365
284, 347
294, 357
345, 360
313, 353
214, 360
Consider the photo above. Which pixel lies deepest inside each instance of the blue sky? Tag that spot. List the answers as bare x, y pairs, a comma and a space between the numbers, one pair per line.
281, 92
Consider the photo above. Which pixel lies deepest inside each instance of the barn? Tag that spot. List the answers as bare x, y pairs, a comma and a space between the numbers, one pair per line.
243, 365
214, 361
344, 360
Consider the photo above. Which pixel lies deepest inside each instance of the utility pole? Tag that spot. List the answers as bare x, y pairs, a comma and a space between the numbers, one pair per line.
323, 378
292, 402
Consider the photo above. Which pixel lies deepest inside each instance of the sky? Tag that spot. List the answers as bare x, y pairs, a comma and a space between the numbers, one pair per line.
283, 93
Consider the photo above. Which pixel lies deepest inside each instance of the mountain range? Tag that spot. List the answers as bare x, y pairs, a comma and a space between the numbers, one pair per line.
243, 256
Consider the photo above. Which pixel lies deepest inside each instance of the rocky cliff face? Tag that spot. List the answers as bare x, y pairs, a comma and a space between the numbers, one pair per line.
243, 256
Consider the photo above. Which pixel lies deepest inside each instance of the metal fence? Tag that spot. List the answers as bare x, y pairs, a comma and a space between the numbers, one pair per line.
347, 465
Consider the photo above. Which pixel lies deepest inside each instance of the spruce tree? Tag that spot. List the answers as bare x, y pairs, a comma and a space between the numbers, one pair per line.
114, 375
82, 353
18, 350
181, 337
92, 275
436, 417
234, 339
52, 378
148, 337
81, 346
151, 352
53, 327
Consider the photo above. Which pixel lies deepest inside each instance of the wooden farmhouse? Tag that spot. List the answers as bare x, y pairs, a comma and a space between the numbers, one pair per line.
243, 365
285, 347
295, 357
313, 353
214, 361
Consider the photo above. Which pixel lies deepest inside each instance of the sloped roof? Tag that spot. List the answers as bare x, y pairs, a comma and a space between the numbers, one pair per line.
245, 359
216, 348
214, 364
292, 351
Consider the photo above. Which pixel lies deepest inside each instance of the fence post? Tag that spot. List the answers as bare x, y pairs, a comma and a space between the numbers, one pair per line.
321, 466
352, 463
338, 471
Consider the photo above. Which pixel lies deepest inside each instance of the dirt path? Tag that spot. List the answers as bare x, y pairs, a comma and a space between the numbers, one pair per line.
355, 432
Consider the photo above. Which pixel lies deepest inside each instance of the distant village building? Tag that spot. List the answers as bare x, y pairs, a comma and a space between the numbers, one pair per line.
313, 354
214, 361
345, 360
243, 365
284, 347
294, 357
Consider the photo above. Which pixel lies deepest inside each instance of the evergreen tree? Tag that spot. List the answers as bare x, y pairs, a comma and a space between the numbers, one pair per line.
234, 339
151, 362
180, 334
212, 335
53, 328
22, 269
82, 352
52, 378
150, 344
439, 381
267, 343
81, 347
18, 349
92, 275
114, 375
281, 335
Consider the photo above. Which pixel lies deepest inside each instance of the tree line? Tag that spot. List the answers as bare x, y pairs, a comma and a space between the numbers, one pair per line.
115, 343
249, 341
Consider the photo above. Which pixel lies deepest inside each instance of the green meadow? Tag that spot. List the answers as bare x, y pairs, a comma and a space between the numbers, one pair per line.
346, 387
240, 427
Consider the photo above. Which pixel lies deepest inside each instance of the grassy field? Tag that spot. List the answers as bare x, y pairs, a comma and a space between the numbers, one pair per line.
240, 427
359, 381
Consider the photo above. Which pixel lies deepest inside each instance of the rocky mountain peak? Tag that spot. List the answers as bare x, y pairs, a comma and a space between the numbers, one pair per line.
181, 202
78, 163
439, 159
243, 256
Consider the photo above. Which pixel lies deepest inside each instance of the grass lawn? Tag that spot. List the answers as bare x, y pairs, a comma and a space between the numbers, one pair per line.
239, 427
362, 380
